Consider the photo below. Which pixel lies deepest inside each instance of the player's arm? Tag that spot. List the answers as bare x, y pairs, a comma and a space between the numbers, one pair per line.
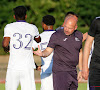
44, 53
5, 44
80, 66
87, 48
85, 35
37, 39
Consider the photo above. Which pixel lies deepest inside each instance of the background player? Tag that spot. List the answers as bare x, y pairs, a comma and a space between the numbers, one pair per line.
20, 34
46, 70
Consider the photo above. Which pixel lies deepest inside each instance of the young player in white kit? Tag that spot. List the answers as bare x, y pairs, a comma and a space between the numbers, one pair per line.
20, 34
46, 69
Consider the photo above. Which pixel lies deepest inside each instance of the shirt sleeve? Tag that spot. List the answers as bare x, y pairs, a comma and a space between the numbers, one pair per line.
92, 30
36, 32
7, 31
53, 41
35, 45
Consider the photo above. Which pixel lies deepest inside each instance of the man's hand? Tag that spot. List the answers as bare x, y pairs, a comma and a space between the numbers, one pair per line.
5, 44
79, 78
38, 68
85, 73
38, 52
6, 49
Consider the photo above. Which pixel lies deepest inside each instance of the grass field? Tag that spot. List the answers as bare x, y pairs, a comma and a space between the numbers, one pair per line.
82, 86
3, 68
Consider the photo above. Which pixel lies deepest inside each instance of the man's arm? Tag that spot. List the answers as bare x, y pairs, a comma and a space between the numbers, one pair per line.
80, 66
5, 44
80, 60
87, 48
85, 35
44, 53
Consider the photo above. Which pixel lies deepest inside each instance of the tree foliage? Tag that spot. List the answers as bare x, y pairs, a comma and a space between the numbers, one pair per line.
86, 9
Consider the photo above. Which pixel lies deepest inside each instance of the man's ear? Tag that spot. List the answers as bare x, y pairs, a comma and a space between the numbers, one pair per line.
76, 27
45, 25
14, 17
25, 16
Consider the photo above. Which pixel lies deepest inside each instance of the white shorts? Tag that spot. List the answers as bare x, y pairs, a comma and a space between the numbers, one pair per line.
46, 81
24, 77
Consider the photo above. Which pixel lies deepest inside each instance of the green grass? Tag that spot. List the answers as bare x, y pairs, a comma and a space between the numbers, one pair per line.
2, 86
82, 86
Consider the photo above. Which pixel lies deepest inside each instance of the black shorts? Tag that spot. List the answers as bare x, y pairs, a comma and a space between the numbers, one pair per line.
65, 80
94, 79
94, 72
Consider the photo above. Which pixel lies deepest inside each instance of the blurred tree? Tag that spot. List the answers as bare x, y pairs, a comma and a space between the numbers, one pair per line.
86, 9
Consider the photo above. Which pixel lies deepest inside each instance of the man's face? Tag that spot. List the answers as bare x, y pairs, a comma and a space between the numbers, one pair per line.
69, 28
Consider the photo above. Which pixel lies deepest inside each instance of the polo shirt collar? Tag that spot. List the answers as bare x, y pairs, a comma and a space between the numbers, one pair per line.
73, 34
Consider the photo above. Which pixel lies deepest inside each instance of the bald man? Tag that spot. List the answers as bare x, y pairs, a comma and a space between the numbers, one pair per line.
67, 47
68, 14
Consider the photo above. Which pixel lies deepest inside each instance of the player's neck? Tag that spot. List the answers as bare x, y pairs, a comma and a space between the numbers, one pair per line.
49, 28
20, 21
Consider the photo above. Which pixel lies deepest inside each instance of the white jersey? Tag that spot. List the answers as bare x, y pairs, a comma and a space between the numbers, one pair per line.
47, 62
21, 39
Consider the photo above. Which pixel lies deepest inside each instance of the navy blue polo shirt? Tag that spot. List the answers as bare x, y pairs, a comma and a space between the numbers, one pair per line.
66, 50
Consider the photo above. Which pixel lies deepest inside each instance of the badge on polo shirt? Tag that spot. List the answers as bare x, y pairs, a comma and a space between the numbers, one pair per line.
76, 39
65, 39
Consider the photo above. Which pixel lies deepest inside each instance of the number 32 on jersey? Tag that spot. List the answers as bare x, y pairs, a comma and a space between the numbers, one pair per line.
18, 39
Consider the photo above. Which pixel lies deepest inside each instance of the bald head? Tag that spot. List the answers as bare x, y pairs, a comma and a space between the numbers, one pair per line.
71, 20
70, 25
68, 16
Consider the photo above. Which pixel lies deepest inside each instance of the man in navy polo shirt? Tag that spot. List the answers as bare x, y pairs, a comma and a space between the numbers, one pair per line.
67, 47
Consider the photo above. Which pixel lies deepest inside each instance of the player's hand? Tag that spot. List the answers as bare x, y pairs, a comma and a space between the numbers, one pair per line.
38, 68
85, 73
79, 78
38, 52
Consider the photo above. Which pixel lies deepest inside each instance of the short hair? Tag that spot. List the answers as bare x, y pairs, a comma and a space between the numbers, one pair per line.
20, 12
48, 20
71, 13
